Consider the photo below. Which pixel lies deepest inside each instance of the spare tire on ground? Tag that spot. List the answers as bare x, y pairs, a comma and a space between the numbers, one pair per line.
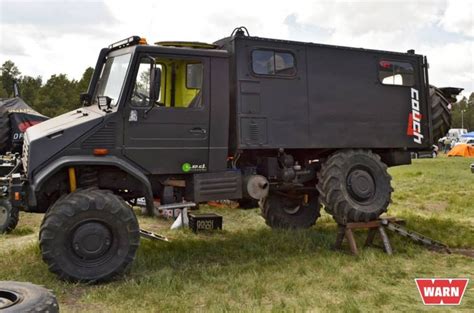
26, 297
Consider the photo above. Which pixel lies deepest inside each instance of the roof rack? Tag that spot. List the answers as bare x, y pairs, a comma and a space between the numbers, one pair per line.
187, 44
130, 41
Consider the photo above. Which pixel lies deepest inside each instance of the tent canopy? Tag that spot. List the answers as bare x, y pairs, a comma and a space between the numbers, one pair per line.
15, 117
463, 150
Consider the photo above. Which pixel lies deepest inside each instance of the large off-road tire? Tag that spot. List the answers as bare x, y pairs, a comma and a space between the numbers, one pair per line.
440, 113
90, 235
354, 186
26, 297
5, 142
290, 211
8, 216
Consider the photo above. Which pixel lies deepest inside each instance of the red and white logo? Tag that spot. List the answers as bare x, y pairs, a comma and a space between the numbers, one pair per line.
441, 291
414, 118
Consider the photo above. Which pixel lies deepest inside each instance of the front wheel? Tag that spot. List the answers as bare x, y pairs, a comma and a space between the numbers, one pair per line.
290, 211
89, 235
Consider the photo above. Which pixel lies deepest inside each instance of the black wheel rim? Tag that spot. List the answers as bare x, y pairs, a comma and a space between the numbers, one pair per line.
8, 298
91, 241
360, 185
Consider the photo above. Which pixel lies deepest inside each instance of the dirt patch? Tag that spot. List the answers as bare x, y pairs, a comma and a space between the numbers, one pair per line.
465, 252
439, 206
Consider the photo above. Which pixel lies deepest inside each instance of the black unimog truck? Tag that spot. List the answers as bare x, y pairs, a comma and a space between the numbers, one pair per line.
291, 124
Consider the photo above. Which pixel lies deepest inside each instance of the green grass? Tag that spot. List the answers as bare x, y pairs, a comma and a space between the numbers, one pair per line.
249, 267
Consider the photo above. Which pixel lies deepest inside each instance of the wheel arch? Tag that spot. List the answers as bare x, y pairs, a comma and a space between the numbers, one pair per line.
48, 172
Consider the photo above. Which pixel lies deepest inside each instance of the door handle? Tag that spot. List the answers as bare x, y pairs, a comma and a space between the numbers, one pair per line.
197, 130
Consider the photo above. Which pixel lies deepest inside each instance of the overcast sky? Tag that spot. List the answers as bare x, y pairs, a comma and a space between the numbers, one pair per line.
45, 37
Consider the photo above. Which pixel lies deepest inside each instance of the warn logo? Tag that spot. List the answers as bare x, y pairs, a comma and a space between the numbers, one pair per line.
414, 118
444, 291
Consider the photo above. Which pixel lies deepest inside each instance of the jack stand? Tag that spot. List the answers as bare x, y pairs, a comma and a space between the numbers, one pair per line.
373, 227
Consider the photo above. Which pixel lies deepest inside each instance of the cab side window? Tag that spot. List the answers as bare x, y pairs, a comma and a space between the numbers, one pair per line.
276, 63
396, 73
141, 89
180, 83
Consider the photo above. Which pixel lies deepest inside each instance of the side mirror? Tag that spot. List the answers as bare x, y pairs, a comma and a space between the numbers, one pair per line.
155, 84
85, 98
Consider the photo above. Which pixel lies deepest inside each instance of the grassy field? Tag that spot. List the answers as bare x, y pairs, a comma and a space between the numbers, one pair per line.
249, 267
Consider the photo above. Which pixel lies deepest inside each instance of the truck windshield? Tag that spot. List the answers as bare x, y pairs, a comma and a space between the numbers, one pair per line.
112, 78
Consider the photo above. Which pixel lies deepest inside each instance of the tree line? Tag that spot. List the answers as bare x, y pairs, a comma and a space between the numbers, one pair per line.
462, 113
56, 96
59, 94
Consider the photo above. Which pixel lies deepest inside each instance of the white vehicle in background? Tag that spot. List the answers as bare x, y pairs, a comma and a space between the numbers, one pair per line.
456, 132
465, 140
453, 136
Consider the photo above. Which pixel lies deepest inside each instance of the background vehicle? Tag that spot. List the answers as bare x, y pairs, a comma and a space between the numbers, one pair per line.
465, 140
291, 124
425, 154
15, 118
456, 132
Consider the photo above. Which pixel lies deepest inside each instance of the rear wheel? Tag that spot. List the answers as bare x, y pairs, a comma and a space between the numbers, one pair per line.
290, 210
246, 204
354, 186
90, 235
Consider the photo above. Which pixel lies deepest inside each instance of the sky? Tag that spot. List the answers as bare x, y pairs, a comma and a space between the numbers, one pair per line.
45, 37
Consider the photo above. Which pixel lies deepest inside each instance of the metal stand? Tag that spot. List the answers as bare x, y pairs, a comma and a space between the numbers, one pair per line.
172, 206
176, 206
374, 227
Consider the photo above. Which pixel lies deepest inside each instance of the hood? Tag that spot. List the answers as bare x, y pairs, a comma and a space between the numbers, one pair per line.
44, 140
61, 123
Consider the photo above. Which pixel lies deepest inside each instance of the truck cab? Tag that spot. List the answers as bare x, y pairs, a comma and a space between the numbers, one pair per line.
149, 112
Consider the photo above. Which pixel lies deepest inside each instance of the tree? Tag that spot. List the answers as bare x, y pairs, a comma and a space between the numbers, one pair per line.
3, 92
83, 84
463, 113
29, 89
10, 74
57, 96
